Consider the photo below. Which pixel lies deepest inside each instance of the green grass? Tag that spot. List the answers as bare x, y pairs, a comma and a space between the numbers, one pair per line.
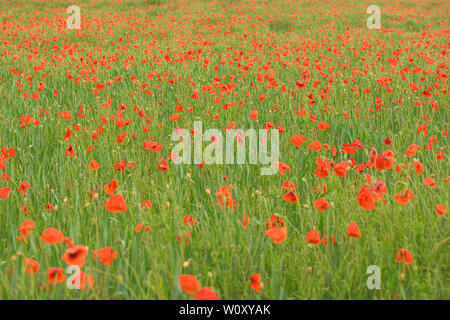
222, 253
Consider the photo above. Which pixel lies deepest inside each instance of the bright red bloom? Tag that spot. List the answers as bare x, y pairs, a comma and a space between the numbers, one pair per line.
366, 198
24, 186
298, 140
106, 255
287, 185
412, 150
404, 256
323, 126
254, 114
353, 230
5, 192
205, 293
32, 266
163, 165
52, 236
255, 282
323, 168
321, 204
120, 165
403, 197
224, 194
69, 151
187, 219
429, 181
55, 275
153, 146
315, 145
278, 234
291, 196
116, 203
419, 167
274, 221
113, 185
94, 165
188, 283
75, 255
440, 211
146, 205
25, 228
340, 169
383, 162
313, 237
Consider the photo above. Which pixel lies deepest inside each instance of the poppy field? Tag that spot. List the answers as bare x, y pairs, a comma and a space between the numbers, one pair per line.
93, 204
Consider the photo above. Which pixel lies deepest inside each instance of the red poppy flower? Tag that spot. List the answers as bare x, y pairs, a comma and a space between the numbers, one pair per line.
383, 162
106, 255
419, 167
287, 185
162, 165
254, 114
321, 204
153, 146
116, 203
323, 168
94, 165
323, 126
255, 282
278, 234
298, 140
188, 283
353, 230
5, 192
55, 275
440, 211
340, 169
412, 150
429, 181
113, 185
24, 186
404, 256
25, 228
69, 151
274, 221
120, 165
32, 266
366, 198
291, 196
403, 197
315, 145
187, 219
52, 236
146, 205
205, 293
313, 237
76, 255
